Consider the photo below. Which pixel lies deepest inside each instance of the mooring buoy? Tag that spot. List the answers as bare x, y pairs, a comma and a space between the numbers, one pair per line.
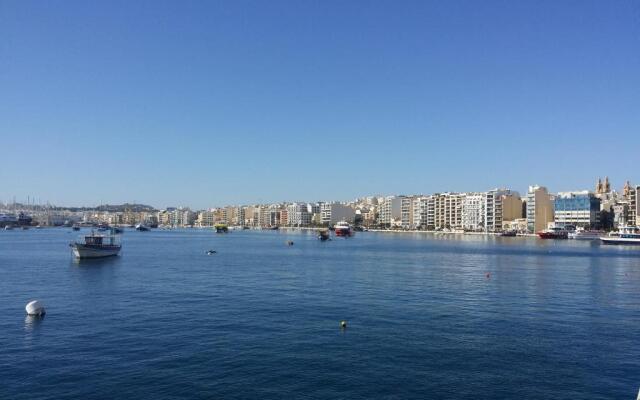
35, 307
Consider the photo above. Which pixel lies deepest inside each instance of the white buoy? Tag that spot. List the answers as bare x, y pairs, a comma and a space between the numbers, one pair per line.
35, 307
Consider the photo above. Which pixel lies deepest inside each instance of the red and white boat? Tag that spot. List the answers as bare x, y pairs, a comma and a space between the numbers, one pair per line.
342, 228
554, 233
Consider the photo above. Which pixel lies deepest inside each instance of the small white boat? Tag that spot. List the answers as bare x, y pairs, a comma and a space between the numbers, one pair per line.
142, 228
96, 246
626, 235
584, 234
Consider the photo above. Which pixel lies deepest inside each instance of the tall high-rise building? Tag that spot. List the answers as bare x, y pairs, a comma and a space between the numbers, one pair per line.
390, 210
539, 208
501, 205
473, 211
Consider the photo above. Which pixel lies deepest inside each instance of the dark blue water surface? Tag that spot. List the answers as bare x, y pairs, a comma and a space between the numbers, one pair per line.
259, 319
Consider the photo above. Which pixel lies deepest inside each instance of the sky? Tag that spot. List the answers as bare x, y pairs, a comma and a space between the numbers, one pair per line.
209, 103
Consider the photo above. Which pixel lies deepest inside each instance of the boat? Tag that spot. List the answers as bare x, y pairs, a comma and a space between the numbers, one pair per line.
103, 228
626, 235
221, 228
554, 233
96, 245
324, 235
142, 228
510, 233
75, 227
343, 229
585, 234
21, 219
118, 230
8, 227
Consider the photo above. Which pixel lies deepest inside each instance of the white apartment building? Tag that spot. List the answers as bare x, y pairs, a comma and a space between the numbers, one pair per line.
406, 212
473, 211
390, 210
298, 214
420, 212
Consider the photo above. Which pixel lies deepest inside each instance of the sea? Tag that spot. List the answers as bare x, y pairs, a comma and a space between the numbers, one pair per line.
427, 317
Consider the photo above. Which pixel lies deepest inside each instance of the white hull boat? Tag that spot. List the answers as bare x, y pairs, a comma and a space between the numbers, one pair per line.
581, 234
83, 251
96, 246
628, 235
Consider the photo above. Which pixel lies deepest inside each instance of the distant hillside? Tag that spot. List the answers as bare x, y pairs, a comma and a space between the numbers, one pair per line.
124, 207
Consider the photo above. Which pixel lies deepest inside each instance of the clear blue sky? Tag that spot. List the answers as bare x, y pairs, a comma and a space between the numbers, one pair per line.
209, 103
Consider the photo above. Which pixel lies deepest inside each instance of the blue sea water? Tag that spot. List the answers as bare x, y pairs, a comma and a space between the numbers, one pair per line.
260, 320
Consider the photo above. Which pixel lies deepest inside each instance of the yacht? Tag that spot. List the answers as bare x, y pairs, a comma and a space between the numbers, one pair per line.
584, 234
626, 235
96, 245
554, 233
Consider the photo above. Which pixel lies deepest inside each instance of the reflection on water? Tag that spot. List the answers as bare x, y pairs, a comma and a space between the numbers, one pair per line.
32, 322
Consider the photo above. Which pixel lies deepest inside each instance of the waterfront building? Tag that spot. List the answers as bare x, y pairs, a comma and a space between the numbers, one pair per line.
420, 208
406, 212
369, 215
205, 218
298, 214
284, 216
634, 207
390, 210
473, 211
336, 212
447, 211
501, 205
580, 209
539, 208
518, 225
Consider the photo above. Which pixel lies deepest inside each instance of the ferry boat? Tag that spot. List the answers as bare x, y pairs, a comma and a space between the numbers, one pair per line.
554, 233
96, 246
584, 234
626, 235
342, 228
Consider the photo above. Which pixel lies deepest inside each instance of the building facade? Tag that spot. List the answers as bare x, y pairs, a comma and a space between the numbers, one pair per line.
539, 209
579, 209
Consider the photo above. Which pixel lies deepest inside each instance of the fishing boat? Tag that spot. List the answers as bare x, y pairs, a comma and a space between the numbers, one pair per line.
585, 234
323, 235
96, 245
343, 229
221, 228
554, 233
626, 235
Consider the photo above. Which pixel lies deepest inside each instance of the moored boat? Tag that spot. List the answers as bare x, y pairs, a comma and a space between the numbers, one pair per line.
343, 228
627, 235
323, 235
142, 228
221, 228
554, 233
585, 234
96, 246
508, 233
